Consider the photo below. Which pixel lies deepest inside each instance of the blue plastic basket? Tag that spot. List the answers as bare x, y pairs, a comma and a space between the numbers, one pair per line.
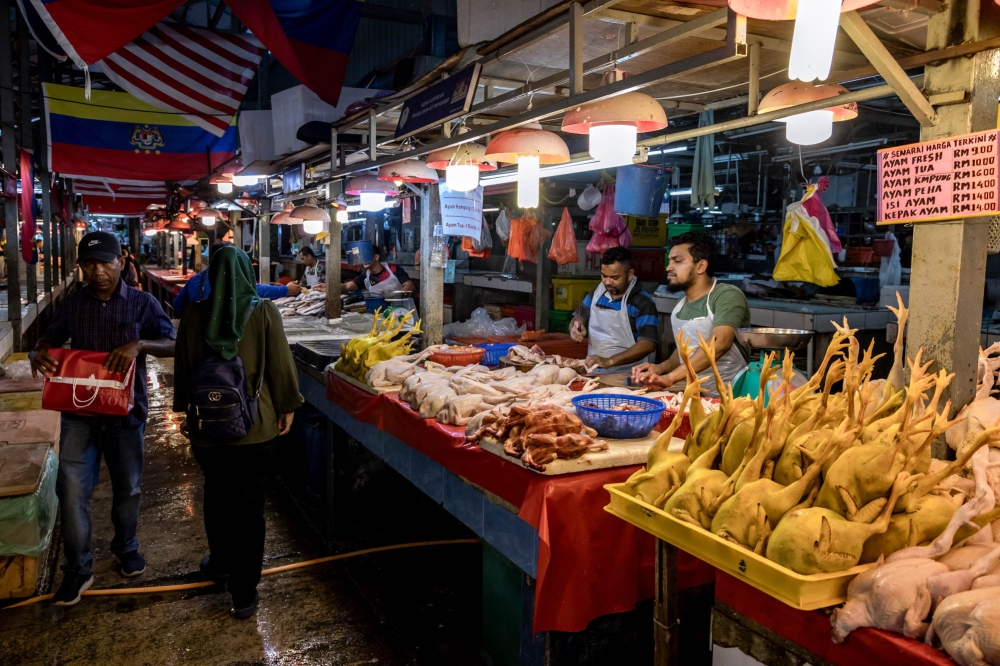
494, 351
595, 412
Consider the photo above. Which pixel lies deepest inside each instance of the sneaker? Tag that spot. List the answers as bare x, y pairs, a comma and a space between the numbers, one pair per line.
245, 612
131, 564
73, 586
210, 573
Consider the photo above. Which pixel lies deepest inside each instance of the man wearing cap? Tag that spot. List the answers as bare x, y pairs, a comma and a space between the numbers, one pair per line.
106, 316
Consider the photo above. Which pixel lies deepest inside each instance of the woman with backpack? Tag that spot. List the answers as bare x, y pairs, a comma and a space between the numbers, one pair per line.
236, 381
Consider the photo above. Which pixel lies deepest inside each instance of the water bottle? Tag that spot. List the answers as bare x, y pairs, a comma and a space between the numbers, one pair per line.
439, 249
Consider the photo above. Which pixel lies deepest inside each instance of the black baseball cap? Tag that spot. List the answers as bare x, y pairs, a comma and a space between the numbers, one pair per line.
98, 245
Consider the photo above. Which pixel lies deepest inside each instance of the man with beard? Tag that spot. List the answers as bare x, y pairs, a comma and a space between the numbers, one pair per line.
619, 318
707, 308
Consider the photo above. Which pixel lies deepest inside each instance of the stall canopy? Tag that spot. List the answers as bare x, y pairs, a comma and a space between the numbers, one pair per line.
121, 138
112, 198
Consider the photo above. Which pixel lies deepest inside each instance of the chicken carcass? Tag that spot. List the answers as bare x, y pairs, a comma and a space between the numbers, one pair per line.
968, 626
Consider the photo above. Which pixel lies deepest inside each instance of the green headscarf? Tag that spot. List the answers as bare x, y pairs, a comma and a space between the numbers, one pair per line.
234, 290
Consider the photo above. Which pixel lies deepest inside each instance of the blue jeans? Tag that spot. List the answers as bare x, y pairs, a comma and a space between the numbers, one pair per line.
81, 444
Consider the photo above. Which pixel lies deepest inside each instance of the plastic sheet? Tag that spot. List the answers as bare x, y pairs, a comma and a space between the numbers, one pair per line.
590, 563
481, 325
811, 630
26, 520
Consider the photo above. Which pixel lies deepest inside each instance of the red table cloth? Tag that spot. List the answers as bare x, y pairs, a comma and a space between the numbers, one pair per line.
590, 563
811, 630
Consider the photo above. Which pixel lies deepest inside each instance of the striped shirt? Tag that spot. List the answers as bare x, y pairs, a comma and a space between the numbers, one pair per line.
104, 326
641, 312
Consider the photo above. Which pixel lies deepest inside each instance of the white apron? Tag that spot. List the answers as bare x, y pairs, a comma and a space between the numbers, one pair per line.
311, 276
385, 286
610, 331
730, 364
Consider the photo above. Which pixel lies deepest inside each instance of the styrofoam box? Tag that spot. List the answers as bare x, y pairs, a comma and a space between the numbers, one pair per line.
887, 295
293, 108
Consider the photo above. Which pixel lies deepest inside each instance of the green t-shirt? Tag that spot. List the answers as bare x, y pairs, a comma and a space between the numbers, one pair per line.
729, 307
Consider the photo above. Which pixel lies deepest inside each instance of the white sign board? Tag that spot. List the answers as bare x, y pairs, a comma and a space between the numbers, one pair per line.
461, 212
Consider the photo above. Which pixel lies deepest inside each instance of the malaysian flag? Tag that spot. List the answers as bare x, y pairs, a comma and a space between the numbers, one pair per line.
200, 74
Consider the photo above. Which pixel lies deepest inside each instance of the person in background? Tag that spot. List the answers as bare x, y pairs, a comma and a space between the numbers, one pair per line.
198, 287
227, 324
315, 273
707, 308
106, 316
380, 278
130, 274
619, 318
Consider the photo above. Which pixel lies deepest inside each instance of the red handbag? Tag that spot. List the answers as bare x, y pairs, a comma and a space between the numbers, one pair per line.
81, 385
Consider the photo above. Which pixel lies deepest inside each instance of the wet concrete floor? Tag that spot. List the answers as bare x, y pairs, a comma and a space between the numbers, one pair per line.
407, 607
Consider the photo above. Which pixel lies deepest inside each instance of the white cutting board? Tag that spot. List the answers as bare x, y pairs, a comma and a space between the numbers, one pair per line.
620, 453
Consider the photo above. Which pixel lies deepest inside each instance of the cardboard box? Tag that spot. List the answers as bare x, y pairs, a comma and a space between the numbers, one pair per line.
30, 427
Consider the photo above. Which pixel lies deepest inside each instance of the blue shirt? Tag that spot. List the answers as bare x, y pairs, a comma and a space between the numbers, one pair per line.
193, 292
103, 326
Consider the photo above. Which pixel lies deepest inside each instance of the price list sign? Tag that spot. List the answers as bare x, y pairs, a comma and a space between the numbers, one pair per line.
939, 180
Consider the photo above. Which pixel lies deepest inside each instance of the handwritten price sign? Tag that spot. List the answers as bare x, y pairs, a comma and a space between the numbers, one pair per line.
939, 180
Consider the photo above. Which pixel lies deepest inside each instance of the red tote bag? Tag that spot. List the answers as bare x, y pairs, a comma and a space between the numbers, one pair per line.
82, 387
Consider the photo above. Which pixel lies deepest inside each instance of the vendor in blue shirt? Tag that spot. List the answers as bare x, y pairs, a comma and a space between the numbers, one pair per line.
198, 288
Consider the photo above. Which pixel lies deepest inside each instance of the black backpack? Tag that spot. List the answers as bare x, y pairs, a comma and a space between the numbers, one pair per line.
219, 407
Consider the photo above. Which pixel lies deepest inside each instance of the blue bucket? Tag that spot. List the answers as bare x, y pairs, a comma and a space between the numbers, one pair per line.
639, 190
360, 253
373, 302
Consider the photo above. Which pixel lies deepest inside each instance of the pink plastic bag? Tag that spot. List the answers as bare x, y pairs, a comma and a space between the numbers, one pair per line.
608, 226
814, 206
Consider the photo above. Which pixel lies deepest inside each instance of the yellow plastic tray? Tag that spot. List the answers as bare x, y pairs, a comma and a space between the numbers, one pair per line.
798, 591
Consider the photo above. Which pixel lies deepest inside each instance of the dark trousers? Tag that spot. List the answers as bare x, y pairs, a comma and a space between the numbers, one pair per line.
82, 444
234, 513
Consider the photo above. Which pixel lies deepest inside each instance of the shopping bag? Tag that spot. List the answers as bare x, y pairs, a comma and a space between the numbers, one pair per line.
563, 250
805, 251
81, 386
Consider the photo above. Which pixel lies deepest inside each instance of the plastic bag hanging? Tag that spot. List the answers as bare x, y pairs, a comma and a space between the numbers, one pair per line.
503, 226
563, 250
805, 251
815, 207
890, 270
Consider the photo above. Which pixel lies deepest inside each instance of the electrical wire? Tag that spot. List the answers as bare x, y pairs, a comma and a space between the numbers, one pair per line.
288, 567
736, 85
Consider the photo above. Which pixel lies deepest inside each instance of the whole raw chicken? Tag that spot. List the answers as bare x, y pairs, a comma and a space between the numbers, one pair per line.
968, 626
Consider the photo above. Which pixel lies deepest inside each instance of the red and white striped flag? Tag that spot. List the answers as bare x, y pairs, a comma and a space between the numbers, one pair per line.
199, 73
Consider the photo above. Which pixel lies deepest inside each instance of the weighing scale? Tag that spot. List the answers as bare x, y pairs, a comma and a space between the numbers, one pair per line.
781, 340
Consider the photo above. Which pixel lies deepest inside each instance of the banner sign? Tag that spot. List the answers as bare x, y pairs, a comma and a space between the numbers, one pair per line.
443, 101
461, 212
939, 180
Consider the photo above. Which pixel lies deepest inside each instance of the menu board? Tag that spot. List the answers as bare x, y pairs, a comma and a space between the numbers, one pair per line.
939, 180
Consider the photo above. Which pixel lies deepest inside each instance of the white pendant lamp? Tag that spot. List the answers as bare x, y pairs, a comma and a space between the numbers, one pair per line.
313, 218
462, 164
528, 146
462, 177
812, 127
614, 124
372, 191
343, 216
244, 181
224, 187
815, 33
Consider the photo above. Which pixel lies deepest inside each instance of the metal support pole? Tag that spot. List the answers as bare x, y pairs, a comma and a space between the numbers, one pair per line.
235, 219
44, 76
754, 96
372, 136
333, 278
264, 242
27, 129
431, 279
8, 144
949, 258
543, 278
333, 148
575, 48
665, 622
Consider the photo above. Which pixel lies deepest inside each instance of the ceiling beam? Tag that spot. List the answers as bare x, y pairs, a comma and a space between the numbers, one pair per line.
858, 30
769, 43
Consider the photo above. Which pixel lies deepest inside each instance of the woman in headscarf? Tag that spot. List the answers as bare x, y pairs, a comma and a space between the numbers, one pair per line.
233, 321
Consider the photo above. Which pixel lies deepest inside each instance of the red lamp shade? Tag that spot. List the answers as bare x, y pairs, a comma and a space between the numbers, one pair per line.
361, 184
634, 108
463, 153
408, 171
797, 92
308, 212
281, 217
528, 142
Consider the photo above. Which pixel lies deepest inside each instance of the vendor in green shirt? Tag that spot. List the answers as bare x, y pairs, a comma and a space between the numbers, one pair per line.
707, 308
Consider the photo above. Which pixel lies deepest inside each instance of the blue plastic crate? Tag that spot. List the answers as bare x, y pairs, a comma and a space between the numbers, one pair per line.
595, 412
494, 351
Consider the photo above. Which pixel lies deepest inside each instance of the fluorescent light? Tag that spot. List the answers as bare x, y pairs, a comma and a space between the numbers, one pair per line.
492, 209
528, 175
354, 209
664, 151
224, 187
813, 39
681, 193
613, 144
357, 219
544, 172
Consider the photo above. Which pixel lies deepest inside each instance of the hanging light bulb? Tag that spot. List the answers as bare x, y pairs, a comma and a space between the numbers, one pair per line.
372, 201
527, 181
207, 221
244, 181
313, 226
813, 41
343, 216
807, 129
224, 186
152, 231
462, 177
613, 145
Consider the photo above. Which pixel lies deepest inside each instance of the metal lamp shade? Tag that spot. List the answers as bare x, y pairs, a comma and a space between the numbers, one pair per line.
797, 92
361, 184
635, 108
463, 153
408, 171
527, 142
308, 213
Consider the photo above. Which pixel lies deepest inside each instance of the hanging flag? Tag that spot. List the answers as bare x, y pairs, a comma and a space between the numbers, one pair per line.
199, 73
118, 137
27, 206
89, 30
113, 198
311, 38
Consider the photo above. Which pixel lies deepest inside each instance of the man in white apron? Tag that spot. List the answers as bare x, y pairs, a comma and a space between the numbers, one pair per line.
619, 319
379, 278
314, 276
707, 307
